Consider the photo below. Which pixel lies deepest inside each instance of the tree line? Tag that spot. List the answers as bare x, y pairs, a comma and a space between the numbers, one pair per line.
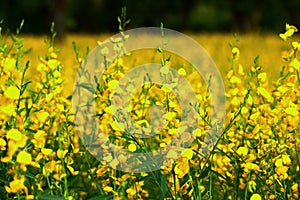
182, 15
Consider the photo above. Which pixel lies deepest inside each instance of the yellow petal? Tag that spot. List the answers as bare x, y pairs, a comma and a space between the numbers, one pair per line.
282, 36
295, 63
14, 134
242, 151
73, 172
24, 158
112, 84
132, 147
182, 72
9, 63
188, 154
117, 126
8, 109
46, 151
43, 116
12, 92
262, 91
262, 76
289, 32
278, 163
234, 80
292, 111
287, 27
61, 153
241, 70
255, 197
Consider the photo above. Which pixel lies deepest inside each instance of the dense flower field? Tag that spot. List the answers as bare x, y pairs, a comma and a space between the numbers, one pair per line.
42, 157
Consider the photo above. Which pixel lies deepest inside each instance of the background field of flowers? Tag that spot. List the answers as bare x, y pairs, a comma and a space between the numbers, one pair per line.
257, 156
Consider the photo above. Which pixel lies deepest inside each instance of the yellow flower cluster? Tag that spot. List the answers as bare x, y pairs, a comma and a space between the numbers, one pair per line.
256, 157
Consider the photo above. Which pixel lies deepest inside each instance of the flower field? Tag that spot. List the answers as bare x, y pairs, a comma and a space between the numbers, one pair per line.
257, 155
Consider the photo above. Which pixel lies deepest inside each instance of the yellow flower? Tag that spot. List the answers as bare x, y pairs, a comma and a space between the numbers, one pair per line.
295, 187
235, 52
282, 89
73, 172
255, 197
46, 151
132, 147
17, 185
112, 84
24, 158
262, 91
14, 134
286, 159
53, 55
292, 111
282, 170
290, 30
61, 153
235, 101
9, 63
12, 92
8, 109
296, 45
49, 167
242, 151
2, 144
173, 131
197, 132
244, 110
182, 168
241, 70
252, 186
295, 64
108, 189
182, 72
262, 77
249, 100
53, 63
188, 153
251, 166
117, 126
39, 139
43, 116
288, 27
235, 80
170, 115
56, 74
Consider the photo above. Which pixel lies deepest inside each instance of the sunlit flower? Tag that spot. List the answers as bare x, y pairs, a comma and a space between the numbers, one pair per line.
24, 158
255, 197
12, 92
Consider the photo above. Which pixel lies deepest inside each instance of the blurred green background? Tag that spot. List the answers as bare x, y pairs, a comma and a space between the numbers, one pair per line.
93, 16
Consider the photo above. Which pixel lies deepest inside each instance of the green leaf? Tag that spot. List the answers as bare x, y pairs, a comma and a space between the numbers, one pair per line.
26, 51
168, 59
163, 185
100, 197
29, 175
24, 86
50, 197
205, 172
159, 49
87, 86
256, 60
